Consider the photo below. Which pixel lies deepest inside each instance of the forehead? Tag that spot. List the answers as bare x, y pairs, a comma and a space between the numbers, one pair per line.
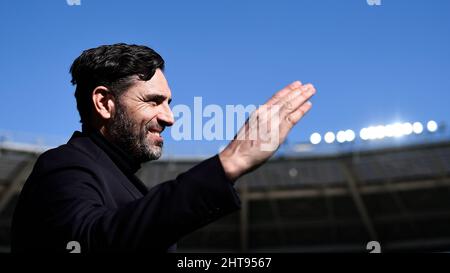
156, 85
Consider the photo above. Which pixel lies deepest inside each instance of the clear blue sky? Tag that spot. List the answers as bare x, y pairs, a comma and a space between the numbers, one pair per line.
370, 65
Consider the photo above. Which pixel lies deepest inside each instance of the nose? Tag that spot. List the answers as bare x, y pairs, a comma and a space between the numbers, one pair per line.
165, 116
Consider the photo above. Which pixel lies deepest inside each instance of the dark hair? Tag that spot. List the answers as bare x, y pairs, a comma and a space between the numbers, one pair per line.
113, 66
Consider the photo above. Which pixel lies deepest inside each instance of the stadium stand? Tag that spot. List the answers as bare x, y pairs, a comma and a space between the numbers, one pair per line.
398, 196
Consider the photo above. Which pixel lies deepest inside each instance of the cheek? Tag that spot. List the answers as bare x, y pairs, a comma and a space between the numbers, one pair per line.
144, 115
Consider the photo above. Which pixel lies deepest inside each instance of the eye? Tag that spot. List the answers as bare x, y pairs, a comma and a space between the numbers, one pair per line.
154, 100
151, 101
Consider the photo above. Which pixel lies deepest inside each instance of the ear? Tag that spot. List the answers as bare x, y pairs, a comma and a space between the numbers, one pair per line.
103, 101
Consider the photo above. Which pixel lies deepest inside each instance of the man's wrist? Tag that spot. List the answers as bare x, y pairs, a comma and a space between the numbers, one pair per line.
230, 166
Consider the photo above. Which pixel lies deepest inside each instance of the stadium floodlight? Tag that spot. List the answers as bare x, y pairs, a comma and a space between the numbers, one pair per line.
364, 134
340, 137
315, 138
379, 132
397, 129
407, 128
329, 137
389, 130
371, 134
349, 135
417, 127
432, 126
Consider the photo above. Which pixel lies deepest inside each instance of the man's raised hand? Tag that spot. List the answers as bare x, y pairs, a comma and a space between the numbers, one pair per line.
266, 129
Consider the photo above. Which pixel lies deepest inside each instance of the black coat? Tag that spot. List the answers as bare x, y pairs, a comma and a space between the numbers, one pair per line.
76, 192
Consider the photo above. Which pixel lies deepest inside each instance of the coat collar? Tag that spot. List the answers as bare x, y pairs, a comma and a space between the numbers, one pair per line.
123, 160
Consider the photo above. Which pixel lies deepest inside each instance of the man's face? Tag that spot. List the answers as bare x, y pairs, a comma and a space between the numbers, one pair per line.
141, 114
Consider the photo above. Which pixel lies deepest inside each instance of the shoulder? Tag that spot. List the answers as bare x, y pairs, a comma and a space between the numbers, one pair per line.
84, 154
78, 162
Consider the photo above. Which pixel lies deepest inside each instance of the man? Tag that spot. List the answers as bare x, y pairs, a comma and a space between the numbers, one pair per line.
86, 191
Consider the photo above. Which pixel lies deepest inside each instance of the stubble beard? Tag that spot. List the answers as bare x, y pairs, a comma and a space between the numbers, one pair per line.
132, 138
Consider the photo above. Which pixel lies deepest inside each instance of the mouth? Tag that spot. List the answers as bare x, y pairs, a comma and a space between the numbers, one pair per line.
156, 133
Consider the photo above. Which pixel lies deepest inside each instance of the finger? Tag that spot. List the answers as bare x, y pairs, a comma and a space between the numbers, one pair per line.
292, 119
296, 99
283, 92
295, 116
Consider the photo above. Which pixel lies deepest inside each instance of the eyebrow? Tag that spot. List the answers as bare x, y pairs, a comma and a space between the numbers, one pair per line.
156, 97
